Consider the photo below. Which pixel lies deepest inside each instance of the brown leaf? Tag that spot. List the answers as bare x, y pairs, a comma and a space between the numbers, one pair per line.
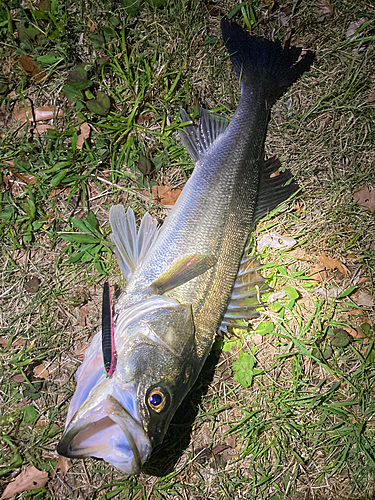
323, 9
371, 97
298, 253
333, 263
41, 422
18, 378
83, 312
84, 129
165, 195
365, 198
318, 273
29, 479
64, 464
364, 299
28, 65
42, 128
41, 371
29, 179
143, 118
40, 114
356, 333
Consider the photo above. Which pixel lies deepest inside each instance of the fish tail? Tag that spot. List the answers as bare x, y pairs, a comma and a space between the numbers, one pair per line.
258, 61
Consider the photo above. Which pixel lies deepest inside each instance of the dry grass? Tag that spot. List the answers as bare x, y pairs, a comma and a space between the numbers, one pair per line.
295, 433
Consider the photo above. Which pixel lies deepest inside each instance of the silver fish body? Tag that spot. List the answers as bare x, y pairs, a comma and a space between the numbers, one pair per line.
190, 277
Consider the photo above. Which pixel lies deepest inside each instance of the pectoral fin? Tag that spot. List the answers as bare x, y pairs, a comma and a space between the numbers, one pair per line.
182, 270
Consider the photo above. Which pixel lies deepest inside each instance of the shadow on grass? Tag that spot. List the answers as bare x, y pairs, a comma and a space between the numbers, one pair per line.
177, 439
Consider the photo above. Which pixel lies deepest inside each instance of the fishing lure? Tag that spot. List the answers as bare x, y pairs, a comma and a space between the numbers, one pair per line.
107, 331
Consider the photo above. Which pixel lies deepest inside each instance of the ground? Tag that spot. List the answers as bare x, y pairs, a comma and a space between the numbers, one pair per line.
282, 410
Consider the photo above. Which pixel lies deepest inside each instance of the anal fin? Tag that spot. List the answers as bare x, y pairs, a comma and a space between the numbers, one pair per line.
273, 190
245, 298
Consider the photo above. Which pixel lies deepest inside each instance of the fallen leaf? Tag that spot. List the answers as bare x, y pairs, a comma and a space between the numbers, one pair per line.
42, 128
64, 464
323, 9
365, 198
354, 312
371, 97
28, 65
29, 179
165, 195
331, 293
356, 333
318, 273
275, 240
32, 284
41, 422
41, 371
40, 114
333, 263
84, 129
299, 254
143, 118
29, 479
83, 312
364, 299
275, 174
18, 378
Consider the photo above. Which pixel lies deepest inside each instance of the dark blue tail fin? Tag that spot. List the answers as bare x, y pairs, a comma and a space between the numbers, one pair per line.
258, 61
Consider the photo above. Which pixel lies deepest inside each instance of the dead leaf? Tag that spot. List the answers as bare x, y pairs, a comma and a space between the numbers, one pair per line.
323, 9
29, 179
64, 464
275, 240
165, 195
331, 293
318, 273
143, 118
41, 371
83, 312
365, 198
354, 312
42, 128
40, 114
298, 253
41, 422
364, 299
371, 97
275, 174
356, 333
28, 65
84, 129
18, 378
80, 351
29, 479
333, 264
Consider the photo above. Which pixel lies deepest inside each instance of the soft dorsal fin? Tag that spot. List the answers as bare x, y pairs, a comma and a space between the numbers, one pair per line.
131, 247
198, 140
272, 190
182, 270
246, 292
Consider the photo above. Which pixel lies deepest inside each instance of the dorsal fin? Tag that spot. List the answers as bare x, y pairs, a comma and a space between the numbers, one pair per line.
246, 292
272, 190
198, 140
131, 247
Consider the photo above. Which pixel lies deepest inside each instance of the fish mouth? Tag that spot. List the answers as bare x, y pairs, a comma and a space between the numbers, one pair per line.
110, 432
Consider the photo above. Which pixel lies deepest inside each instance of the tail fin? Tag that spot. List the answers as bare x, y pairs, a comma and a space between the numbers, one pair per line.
258, 60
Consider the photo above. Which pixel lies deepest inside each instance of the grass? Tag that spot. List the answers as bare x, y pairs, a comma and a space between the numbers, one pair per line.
304, 426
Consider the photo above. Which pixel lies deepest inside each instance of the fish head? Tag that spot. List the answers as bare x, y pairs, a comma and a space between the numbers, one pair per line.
121, 418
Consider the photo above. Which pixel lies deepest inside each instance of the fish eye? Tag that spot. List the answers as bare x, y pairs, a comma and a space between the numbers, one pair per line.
157, 399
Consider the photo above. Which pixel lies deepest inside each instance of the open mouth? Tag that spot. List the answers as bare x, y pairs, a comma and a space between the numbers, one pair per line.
108, 431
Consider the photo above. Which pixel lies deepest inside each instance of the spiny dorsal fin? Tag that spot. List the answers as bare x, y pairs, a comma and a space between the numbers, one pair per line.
246, 292
131, 247
198, 140
272, 190
182, 270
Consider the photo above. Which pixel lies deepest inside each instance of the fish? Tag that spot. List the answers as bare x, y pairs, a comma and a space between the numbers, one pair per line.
192, 276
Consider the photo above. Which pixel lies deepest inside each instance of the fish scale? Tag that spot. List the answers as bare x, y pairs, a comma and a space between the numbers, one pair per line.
190, 278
